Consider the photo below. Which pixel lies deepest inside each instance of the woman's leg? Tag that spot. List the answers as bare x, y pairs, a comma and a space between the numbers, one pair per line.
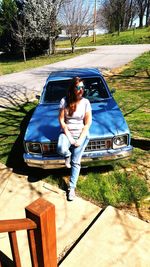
63, 146
75, 162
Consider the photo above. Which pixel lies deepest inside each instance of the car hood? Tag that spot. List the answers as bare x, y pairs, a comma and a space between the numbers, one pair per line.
107, 121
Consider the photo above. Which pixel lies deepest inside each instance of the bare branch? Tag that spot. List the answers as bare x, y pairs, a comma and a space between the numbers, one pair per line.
76, 18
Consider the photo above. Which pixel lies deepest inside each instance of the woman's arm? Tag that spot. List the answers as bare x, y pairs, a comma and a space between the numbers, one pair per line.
87, 124
64, 126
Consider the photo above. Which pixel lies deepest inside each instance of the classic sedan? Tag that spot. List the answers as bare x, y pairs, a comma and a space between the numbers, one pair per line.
109, 132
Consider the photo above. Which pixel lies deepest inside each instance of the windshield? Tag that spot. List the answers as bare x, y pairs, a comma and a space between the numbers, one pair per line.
94, 90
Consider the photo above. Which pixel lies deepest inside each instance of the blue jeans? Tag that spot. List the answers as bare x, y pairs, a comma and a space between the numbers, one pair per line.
65, 149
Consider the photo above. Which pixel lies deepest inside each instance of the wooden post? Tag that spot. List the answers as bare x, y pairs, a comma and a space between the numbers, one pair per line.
14, 249
94, 23
42, 213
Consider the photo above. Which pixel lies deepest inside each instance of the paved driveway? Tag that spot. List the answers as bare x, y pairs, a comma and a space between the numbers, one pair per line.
27, 84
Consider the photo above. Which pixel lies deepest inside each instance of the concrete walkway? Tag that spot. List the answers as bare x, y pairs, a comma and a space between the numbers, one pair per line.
113, 239
72, 218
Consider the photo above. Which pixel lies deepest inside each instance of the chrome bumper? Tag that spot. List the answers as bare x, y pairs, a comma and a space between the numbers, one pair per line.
89, 159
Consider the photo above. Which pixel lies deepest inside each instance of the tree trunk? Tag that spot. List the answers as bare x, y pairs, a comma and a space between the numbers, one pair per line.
72, 41
131, 22
147, 13
73, 48
129, 16
119, 28
24, 53
141, 21
53, 46
50, 46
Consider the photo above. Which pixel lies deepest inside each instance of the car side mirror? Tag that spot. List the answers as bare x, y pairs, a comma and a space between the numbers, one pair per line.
113, 90
38, 97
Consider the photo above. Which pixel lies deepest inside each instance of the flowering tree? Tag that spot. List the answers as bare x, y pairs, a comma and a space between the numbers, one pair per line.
37, 20
42, 18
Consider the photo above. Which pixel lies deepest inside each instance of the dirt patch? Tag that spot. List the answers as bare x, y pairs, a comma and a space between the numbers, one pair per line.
142, 212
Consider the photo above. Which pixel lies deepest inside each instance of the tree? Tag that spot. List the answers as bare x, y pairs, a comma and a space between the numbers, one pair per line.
29, 22
51, 26
20, 32
8, 10
148, 13
76, 19
42, 19
141, 9
130, 14
116, 15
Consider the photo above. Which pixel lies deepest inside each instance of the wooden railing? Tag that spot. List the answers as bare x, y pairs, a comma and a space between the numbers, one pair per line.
41, 231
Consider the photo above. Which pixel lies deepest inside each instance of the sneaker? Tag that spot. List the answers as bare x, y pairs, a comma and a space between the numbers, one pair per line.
67, 162
71, 194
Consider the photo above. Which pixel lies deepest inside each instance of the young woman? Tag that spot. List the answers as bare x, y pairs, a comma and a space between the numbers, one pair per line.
75, 119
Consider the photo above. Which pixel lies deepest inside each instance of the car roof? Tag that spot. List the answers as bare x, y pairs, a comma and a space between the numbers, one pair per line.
76, 72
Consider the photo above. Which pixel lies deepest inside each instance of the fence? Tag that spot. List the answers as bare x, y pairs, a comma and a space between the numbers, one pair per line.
41, 232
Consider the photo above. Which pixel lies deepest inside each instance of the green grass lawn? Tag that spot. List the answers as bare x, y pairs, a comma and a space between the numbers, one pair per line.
123, 184
133, 94
9, 66
139, 36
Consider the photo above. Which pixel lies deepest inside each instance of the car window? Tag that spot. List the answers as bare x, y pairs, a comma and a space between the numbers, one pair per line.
95, 90
55, 91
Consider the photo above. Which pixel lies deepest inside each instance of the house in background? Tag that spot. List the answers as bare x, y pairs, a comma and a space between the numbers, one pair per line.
64, 36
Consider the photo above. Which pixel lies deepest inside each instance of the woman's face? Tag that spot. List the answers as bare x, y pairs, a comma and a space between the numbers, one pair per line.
79, 90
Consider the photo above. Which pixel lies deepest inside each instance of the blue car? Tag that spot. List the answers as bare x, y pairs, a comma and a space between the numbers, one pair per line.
109, 132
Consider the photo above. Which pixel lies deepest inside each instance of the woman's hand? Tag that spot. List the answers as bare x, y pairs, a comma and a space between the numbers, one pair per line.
64, 127
71, 140
78, 142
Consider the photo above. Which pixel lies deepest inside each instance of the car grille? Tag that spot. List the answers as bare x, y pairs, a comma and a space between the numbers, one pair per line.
93, 145
98, 144
51, 150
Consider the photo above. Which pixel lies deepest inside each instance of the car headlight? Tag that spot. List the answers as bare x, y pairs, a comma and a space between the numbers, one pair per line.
34, 148
120, 141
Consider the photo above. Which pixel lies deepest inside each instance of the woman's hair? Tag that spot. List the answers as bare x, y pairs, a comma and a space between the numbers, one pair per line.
71, 98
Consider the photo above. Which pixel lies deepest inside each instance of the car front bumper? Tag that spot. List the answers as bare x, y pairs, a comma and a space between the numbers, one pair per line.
89, 159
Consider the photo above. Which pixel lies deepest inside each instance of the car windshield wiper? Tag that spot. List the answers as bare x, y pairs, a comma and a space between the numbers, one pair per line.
97, 100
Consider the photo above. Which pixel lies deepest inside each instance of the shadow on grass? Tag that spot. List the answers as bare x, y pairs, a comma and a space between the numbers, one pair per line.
130, 82
135, 108
15, 157
131, 73
141, 143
